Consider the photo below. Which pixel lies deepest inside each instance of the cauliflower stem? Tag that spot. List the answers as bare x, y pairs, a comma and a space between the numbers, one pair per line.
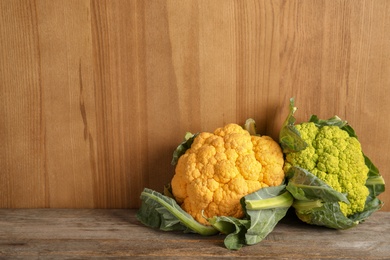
281, 201
302, 205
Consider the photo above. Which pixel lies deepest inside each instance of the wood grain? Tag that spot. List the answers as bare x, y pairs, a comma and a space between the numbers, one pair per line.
95, 95
83, 233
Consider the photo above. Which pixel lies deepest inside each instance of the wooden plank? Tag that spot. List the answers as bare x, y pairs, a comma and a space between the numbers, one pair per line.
121, 108
23, 179
67, 101
49, 233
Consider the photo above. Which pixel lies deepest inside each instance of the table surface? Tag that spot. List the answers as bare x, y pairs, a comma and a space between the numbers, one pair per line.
84, 233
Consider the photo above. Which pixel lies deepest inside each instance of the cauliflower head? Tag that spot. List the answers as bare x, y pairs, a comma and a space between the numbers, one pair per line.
336, 158
222, 167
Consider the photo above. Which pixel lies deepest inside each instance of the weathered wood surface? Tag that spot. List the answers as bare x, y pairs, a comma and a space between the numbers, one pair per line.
96, 94
67, 233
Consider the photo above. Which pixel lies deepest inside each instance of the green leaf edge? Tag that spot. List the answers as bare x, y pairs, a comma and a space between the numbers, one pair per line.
185, 218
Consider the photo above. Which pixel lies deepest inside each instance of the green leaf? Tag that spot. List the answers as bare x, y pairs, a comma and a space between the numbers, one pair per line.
155, 215
183, 147
333, 121
271, 204
234, 228
289, 137
349, 130
168, 191
263, 221
328, 215
159, 211
372, 204
304, 185
250, 126
316, 202
375, 182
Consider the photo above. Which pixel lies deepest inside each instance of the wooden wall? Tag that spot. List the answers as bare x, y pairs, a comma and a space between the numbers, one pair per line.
95, 95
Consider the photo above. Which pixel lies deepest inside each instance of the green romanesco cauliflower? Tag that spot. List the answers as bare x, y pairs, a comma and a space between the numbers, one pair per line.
336, 158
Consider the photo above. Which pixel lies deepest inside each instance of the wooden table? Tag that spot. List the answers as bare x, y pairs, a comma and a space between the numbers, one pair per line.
84, 233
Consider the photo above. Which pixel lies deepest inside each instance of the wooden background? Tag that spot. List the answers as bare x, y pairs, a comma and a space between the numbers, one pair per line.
95, 95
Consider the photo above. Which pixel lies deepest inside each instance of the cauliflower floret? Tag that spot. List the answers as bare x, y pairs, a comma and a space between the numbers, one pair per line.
336, 158
267, 151
222, 167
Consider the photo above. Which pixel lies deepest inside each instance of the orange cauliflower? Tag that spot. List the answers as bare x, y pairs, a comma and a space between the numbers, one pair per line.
222, 167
